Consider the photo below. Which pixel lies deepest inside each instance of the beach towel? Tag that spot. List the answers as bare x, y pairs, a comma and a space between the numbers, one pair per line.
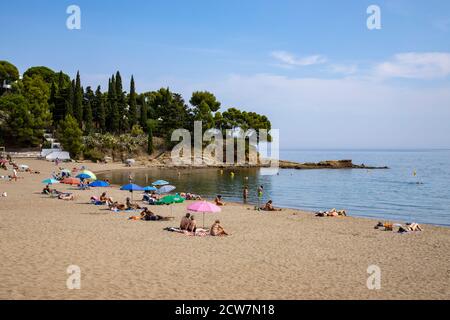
198, 233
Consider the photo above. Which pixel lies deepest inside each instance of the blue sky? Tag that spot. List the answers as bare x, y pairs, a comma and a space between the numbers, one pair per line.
313, 67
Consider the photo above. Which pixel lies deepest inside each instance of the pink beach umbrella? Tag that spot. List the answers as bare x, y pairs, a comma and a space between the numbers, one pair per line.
203, 206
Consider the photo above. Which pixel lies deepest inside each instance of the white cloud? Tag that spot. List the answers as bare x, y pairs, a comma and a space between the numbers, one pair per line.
289, 59
413, 65
343, 113
345, 69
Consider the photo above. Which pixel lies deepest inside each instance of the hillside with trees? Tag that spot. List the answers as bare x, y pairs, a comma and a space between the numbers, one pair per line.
115, 121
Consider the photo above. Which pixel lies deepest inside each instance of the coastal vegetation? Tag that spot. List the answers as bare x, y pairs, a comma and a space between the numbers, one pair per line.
93, 123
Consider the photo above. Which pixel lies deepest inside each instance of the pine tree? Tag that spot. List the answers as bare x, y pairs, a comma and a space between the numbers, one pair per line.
78, 100
133, 118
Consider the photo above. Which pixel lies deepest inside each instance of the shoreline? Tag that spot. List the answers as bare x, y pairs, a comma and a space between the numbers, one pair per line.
279, 255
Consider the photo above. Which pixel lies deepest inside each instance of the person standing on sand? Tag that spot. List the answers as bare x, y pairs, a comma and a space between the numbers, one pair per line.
14, 176
260, 195
245, 194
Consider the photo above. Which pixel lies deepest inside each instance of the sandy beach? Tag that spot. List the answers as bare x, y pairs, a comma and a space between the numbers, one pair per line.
280, 255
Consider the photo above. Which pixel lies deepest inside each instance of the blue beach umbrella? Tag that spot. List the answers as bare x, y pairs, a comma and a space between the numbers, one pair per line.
150, 188
160, 183
50, 181
99, 183
166, 189
131, 187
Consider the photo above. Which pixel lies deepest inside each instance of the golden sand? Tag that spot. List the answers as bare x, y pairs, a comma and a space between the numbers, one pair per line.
280, 255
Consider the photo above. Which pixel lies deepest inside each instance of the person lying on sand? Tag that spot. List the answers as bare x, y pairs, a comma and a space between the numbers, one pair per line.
217, 229
410, 227
116, 206
185, 221
131, 206
269, 206
148, 215
219, 201
66, 196
332, 213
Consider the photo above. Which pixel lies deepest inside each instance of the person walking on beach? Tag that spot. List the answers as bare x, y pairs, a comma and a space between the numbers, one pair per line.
260, 195
245, 194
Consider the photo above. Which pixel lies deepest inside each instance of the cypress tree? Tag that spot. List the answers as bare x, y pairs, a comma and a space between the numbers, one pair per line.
144, 110
133, 108
113, 114
121, 104
88, 119
101, 112
70, 99
78, 100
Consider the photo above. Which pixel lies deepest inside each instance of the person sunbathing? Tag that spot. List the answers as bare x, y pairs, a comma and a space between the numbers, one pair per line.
410, 227
219, 201
192, 225
269, 206
185, 221
116, 206
132, 206
148, 215
332, 213
46, 190
103, 198
217, 229
66, 196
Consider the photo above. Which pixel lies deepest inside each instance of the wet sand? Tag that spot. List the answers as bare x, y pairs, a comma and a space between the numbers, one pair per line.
280, 255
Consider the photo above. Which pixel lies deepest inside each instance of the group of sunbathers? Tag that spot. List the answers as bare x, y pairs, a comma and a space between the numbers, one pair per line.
189, 224
332, 213
60, 195
409, 227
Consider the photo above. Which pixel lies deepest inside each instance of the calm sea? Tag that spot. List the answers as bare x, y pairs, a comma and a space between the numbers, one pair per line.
395, 194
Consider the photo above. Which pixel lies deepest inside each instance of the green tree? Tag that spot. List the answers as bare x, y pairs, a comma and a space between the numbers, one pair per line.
23, 118
69, 99
88, 119
8, 74
143, 112
100, 113
113, 112
47, 74
70, 135
78, 100
121, 104
204, 103
132, 114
